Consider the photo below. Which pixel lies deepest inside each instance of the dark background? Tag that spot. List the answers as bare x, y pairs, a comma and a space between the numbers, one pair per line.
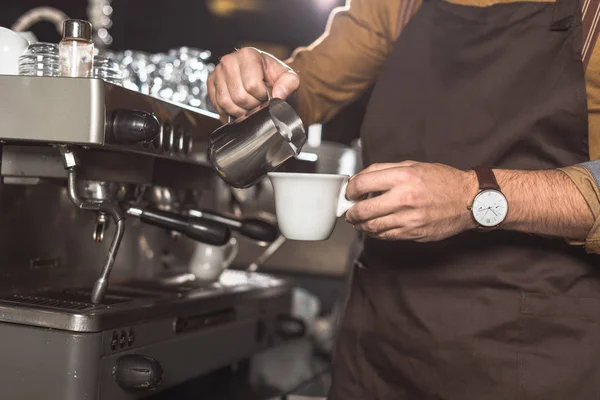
159, 25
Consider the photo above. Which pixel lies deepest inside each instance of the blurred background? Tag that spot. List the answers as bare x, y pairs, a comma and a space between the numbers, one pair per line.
221, 26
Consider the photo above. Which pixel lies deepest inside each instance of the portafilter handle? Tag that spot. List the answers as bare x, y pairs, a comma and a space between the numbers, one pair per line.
252, 228
201, 230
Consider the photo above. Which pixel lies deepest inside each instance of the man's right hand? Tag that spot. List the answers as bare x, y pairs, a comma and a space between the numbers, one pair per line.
239, 83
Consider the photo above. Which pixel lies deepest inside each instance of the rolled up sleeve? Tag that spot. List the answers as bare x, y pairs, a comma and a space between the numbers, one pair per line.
586, 177
344, 62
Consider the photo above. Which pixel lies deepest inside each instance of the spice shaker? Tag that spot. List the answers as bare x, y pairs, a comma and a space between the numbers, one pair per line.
76, 50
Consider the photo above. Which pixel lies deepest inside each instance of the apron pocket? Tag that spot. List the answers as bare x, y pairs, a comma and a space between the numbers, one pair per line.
559, 351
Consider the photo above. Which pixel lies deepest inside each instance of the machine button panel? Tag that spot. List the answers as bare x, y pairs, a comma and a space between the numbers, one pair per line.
130, 337
114, 342
123, 339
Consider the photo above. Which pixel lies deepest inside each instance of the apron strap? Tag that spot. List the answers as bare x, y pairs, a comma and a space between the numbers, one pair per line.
407, 10
590, 27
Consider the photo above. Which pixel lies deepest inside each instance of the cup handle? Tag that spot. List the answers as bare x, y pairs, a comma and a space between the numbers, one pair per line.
344, 203
233, 251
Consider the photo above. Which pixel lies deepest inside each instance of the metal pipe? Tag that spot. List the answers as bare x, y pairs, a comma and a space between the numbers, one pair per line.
107, 207
101, 284
269, 251
40, 14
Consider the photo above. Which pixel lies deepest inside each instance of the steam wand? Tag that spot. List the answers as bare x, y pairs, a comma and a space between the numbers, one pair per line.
71, 165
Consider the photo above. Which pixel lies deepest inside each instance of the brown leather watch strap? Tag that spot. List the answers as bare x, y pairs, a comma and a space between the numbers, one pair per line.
487, 179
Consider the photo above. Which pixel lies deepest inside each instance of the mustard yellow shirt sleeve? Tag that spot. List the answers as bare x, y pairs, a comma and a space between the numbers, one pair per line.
346, 59
586, 184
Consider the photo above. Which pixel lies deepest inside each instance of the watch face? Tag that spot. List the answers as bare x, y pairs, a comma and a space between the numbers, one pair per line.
490, 208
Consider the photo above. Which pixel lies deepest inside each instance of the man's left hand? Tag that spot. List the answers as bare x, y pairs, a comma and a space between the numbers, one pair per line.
418, 201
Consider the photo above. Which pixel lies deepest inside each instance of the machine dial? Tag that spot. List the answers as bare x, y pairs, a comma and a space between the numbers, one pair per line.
130, 127
137, 373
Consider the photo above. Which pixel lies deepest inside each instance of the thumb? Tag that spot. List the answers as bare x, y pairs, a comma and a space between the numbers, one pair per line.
283, 80
285, 85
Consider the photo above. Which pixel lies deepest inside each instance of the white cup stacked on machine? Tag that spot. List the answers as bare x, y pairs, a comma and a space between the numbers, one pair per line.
12, 45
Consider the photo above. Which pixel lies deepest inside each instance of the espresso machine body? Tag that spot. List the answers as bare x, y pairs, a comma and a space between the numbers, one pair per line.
84, 310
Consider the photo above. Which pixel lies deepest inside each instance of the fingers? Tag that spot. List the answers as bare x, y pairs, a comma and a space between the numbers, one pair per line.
223, 98
251, 70
381, 166
393, 227
239, 82
373, 208
391, 235
379, 225
212, 94
375, 181
378, 167
237, 88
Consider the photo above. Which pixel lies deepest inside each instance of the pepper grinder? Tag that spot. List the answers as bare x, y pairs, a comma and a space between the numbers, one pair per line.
76, 50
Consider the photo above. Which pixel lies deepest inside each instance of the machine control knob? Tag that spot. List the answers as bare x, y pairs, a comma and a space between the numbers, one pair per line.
130, 126
137, 373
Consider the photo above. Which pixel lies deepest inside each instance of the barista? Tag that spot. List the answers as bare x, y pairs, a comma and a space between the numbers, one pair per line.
459, 295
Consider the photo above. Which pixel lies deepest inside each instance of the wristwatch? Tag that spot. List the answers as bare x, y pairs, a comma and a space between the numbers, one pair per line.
489, 207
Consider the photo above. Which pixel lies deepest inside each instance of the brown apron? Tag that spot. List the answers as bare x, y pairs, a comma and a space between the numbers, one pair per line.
480, 316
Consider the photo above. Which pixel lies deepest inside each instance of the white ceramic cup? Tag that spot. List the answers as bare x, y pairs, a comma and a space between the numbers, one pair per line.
209, 262
308, 205
12, 46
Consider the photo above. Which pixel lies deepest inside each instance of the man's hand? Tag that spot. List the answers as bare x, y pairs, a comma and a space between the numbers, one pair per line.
418, 201
239, 82
428, 202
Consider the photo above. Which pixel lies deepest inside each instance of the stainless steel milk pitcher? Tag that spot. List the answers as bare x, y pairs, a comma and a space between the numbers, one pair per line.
246, 149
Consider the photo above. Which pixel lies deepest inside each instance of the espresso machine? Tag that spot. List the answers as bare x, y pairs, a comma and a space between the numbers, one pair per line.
104, 192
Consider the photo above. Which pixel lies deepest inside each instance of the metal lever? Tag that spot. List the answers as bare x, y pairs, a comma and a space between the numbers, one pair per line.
106, 207
269, 251
205, 231
252, 228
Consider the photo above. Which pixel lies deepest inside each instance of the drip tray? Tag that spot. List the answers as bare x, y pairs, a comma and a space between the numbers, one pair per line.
130, 302
75, 299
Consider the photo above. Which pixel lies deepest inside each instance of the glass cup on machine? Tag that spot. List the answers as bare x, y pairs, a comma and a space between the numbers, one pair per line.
107, 69
40, 59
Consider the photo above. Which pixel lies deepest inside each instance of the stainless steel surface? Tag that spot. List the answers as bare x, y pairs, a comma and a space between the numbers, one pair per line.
97, 190
77, 29
104, 206
244, 151
131, 302
59, 110
107, 166
79, 110
187, 336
